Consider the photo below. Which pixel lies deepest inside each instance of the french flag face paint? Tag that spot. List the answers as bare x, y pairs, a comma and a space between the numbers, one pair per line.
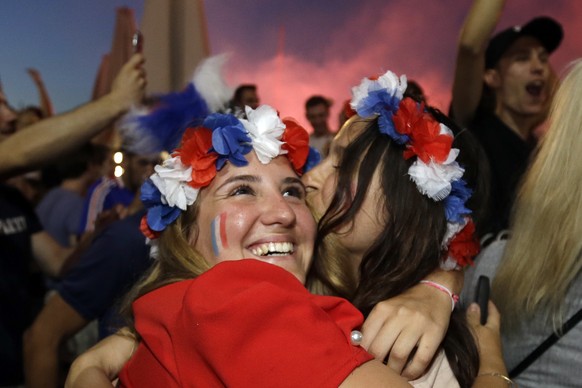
218, 230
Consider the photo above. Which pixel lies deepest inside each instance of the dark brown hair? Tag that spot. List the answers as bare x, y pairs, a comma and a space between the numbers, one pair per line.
238, 93
317, 100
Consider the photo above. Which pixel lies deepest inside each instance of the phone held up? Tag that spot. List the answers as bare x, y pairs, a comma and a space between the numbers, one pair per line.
137, 42
482, 297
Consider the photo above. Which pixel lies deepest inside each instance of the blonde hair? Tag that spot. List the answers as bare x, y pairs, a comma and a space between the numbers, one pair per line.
177, 259
542, 258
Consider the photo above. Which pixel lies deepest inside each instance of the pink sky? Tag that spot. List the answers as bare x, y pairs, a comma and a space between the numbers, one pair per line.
414, 37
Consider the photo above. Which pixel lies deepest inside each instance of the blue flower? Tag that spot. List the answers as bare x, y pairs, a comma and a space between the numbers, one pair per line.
313, 159
455, 203
387, 127
229, 139
159, 216
150, 194
384, 104
376, 102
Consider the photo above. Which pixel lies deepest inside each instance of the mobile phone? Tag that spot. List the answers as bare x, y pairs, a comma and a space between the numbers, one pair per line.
482, 297
137, 42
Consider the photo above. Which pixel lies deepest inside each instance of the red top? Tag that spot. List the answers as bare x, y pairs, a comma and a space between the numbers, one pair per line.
242, 324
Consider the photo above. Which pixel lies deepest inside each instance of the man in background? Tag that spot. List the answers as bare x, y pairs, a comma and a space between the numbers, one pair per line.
317, 113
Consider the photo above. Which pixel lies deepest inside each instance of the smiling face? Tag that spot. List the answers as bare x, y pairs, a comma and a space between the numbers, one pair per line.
321, 183
521, 79
256, 211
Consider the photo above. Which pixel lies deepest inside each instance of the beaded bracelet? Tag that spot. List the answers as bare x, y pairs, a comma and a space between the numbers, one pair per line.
454, 297
509, 382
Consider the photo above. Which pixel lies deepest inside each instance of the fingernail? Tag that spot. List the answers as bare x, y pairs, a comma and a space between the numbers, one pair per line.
474, 307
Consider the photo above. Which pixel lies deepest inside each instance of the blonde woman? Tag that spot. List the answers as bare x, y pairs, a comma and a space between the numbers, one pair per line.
537, 281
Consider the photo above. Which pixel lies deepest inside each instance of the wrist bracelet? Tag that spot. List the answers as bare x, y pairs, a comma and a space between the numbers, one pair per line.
454, 297
509, 382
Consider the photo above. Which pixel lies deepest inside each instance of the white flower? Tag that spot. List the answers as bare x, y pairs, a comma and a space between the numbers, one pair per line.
392, 84
360, 92
449, 264
452, 229
154, 248
171, 179
388, 81
265, 129
434, 179
445, 131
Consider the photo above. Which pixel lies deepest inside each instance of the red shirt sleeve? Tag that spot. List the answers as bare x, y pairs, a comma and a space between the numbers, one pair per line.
243, 323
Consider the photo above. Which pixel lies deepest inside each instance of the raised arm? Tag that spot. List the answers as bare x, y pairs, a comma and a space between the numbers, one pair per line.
47, 139
470, 66
418, 317
45, 102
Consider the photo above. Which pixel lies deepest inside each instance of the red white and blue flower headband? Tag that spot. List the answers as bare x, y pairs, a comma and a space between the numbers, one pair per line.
435, 171
205, 149
203, 141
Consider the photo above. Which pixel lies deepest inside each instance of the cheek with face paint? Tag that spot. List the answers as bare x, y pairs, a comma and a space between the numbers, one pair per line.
218, 234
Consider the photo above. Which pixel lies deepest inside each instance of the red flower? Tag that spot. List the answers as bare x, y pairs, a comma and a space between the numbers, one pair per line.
408, 115
347, 109
426, 141
193, 152
465, 246
145, 229
296, 142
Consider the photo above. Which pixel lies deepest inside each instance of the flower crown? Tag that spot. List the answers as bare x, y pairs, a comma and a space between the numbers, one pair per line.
435, 170
205, 149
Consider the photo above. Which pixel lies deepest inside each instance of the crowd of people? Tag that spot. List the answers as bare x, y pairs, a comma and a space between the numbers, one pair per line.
260, 253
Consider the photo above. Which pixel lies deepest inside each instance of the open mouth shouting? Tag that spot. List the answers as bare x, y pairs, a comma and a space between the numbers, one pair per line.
535, 88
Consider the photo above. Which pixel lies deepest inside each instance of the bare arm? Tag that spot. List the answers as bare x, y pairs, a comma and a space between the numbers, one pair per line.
470, 66
45, 102
49, 254
373, 374
418, 317
488, 340
47, 139
101, 364
56, 322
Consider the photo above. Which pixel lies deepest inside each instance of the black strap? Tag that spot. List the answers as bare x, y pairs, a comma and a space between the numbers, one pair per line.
570, 323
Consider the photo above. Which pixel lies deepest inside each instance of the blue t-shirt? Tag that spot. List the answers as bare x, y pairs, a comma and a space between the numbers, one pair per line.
106, 271
60, 213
